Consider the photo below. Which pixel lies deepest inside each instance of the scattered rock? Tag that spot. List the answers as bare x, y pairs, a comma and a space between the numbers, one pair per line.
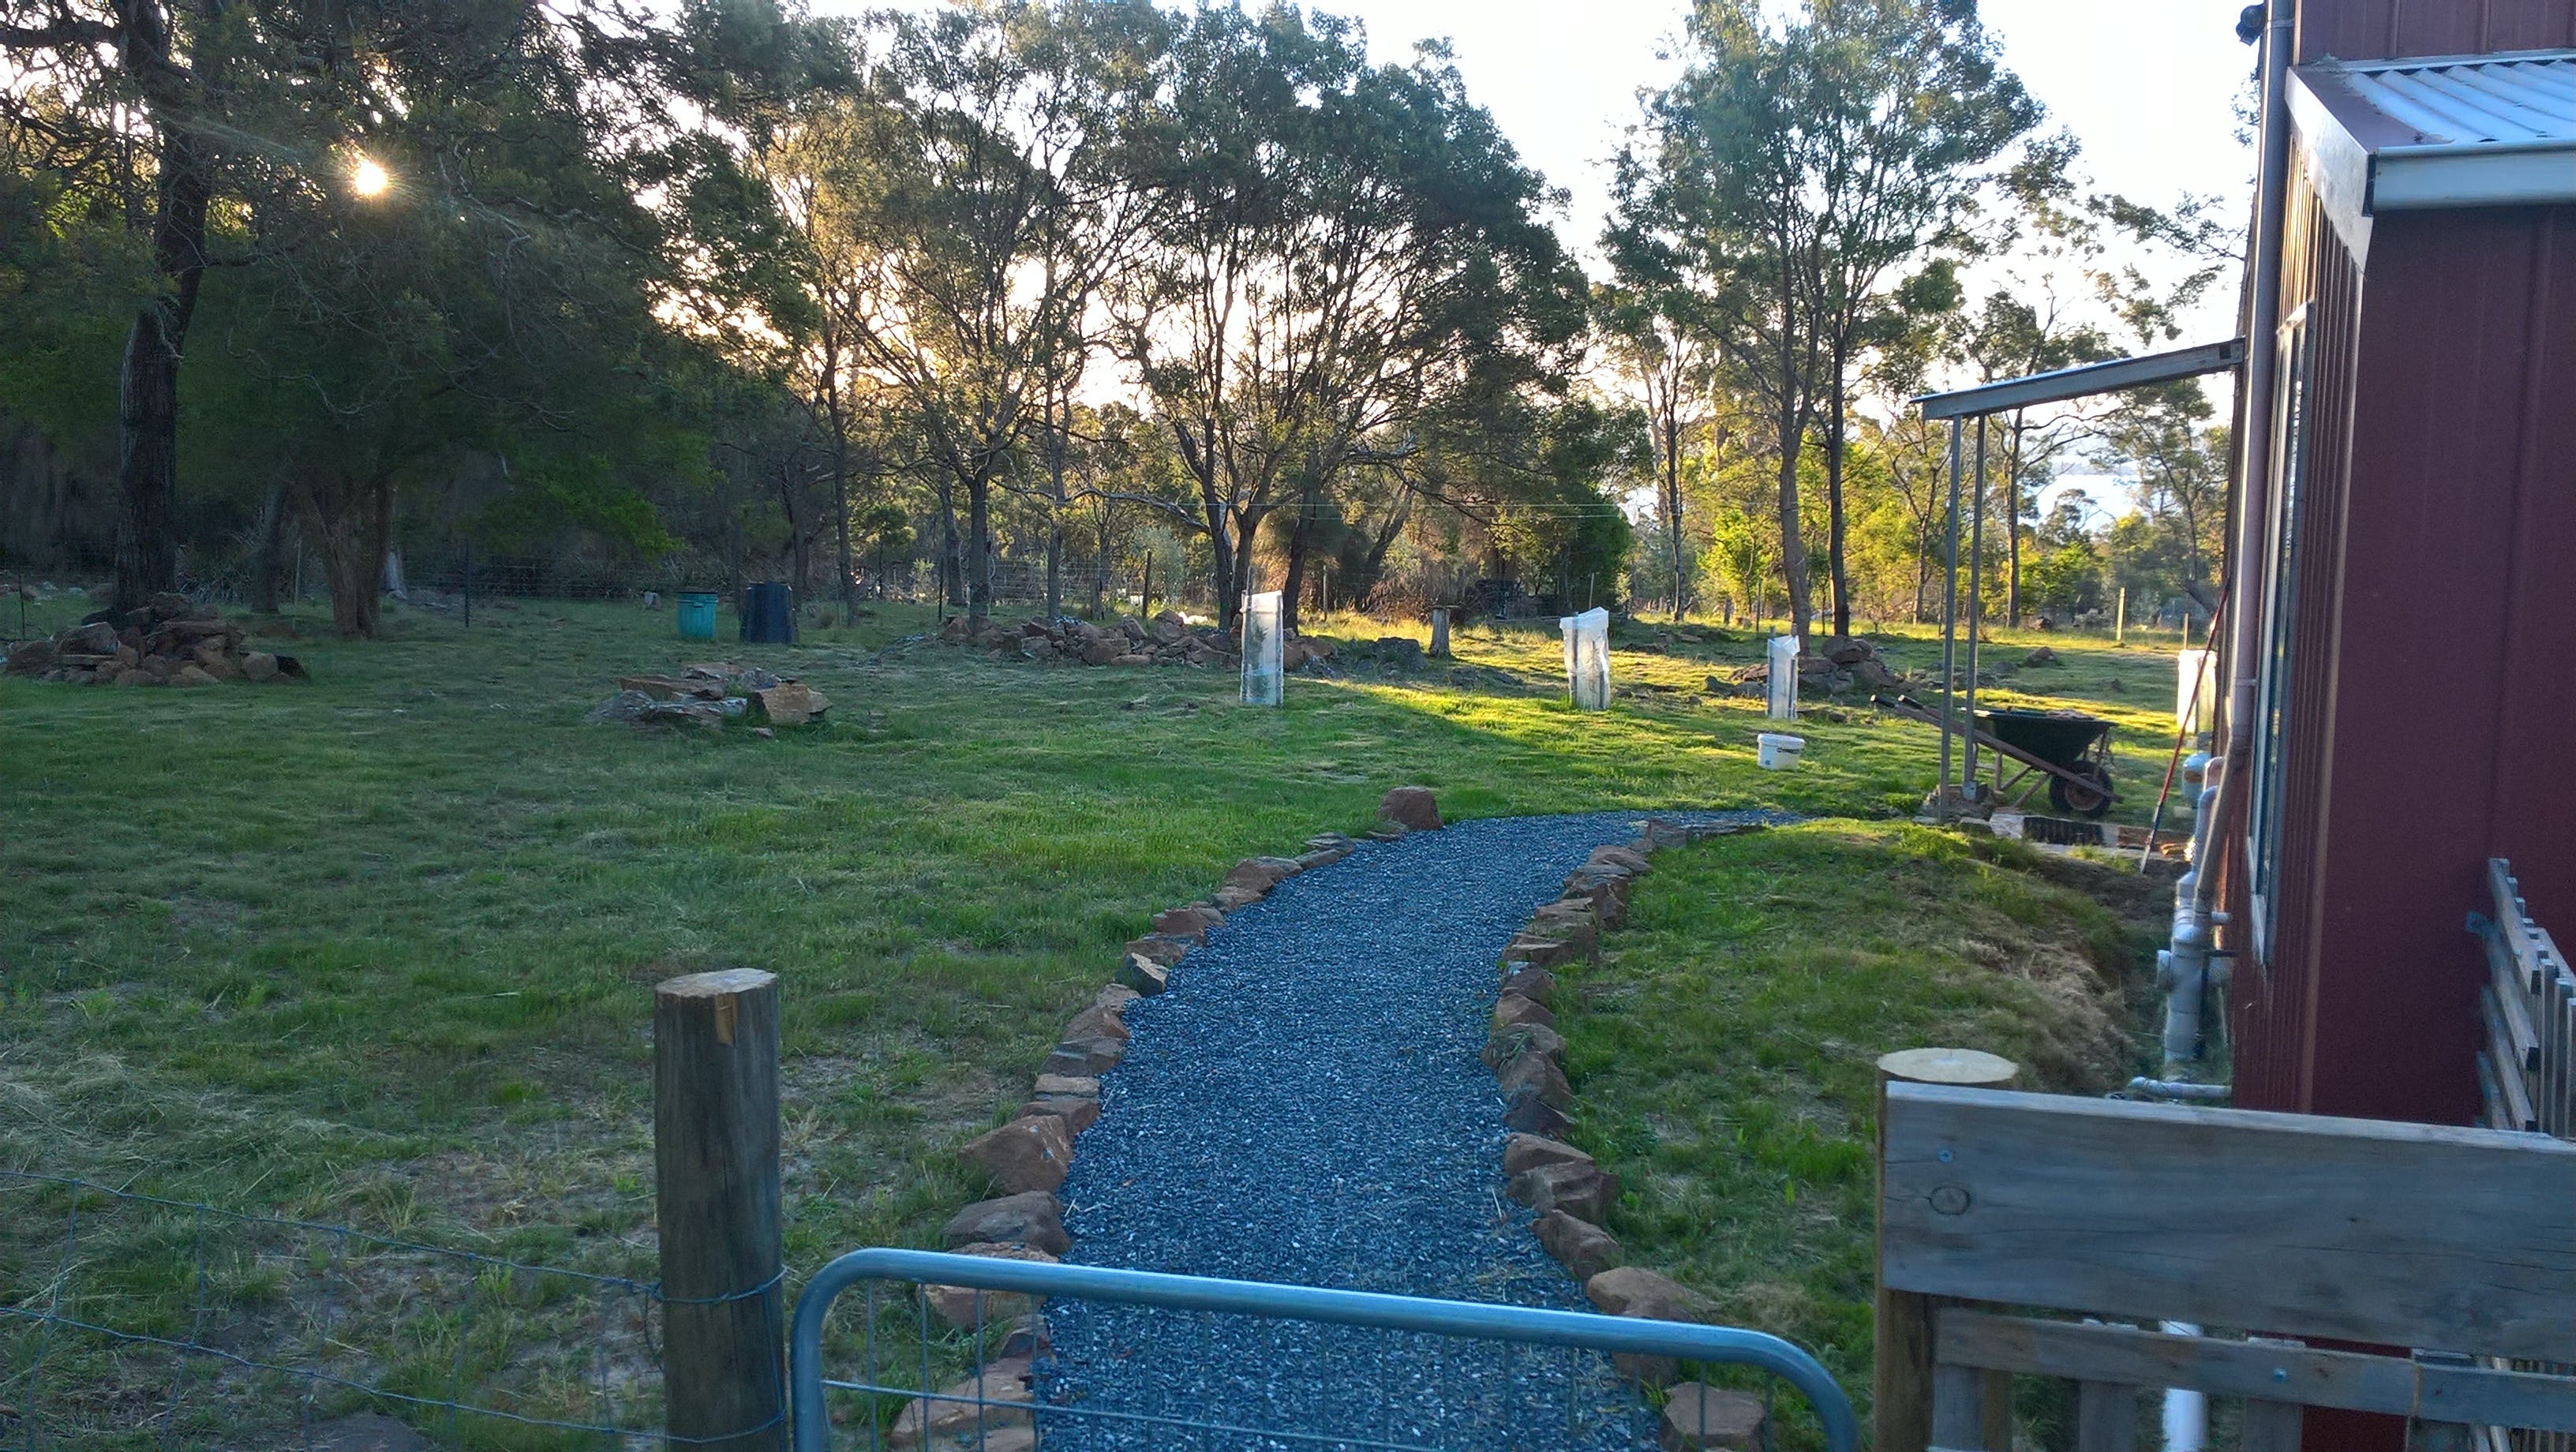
1191, 922
1583, 1248
2040, 657
1621, 858
1410, 807
1521, 1040
1164, 949
1523, 1152
789, 703
763, 733
1088, 1056
1537, 1074
957, 1306
995, 1399
1581, 1189
1698, 1416
1526, 1111
1634, 1291
1032, 1153
1143, 974
1260, 874
1033, 1218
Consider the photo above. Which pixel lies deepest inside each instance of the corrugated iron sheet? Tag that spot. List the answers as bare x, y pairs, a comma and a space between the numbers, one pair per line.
2511, 102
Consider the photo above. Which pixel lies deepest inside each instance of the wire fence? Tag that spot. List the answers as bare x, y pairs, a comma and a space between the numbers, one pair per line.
132, 1321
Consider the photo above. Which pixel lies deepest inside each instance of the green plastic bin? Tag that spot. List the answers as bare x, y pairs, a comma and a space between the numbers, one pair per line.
697, 615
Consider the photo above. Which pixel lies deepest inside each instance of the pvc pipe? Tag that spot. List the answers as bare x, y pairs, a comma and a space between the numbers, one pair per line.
2262, 359
2186, 1412
2179, 1089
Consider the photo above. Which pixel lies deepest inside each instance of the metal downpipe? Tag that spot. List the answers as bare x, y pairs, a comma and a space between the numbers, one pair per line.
2262, 359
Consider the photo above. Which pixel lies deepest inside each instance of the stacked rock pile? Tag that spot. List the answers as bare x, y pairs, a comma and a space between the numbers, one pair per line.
166, 641
1169, 639
1832, 667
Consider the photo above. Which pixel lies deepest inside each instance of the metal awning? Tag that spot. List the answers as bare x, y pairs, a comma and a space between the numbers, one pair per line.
1979, 403
2080, 382
2455, 131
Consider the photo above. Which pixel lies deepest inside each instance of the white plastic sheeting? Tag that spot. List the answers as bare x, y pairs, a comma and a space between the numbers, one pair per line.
1262, 675
1784, 678
1587, 658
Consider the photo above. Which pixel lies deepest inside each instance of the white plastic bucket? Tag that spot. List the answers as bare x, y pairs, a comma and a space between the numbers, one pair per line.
1780, 753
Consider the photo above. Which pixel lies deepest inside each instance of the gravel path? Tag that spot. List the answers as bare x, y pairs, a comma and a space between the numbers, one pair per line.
1306, 1104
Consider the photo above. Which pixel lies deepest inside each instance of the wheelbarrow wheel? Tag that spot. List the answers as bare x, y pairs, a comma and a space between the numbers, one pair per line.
2082, 801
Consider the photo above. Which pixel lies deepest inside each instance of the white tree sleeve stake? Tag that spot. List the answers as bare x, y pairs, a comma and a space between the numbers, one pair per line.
1783, 684
1587, 658
1262, 674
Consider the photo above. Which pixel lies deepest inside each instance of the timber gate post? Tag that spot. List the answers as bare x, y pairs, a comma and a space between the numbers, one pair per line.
1901, 1372
715, 1171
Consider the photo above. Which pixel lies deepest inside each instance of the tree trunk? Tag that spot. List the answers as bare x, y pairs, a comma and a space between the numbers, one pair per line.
841, 523
1057, 424
1301, 539
1793, 551
350, 527
952, 556
1673, 501
1836, 571
147, 413
1100, 563
269, 563
979, 543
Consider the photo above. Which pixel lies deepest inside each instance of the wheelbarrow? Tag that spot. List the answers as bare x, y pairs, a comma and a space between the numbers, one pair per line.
2067, 749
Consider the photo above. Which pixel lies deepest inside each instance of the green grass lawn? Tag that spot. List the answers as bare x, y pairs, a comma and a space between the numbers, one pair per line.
1723, 1050
378, 948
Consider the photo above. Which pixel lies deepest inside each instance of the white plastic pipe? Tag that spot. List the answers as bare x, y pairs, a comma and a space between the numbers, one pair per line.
2186, 1411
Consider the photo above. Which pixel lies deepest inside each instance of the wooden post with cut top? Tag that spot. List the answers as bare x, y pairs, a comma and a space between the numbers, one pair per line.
1901, 1372
715, 1171
1439, 630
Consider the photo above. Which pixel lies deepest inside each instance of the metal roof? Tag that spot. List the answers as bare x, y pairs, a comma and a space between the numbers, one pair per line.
2456, 131
2083, 381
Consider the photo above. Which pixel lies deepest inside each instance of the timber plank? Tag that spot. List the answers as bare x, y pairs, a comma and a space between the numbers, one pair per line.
2398, 1234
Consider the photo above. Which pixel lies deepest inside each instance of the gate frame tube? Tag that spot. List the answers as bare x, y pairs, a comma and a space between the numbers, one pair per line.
1584, 1330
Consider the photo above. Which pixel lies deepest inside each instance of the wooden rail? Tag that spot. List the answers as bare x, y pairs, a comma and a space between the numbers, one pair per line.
2527, 1076
2305, 1226
2527, 1070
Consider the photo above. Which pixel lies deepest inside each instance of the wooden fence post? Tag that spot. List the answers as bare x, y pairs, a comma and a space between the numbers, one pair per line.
1901, 1371
715, 1171
1439, 630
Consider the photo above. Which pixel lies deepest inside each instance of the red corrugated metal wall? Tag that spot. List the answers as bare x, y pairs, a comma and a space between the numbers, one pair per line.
2274, 1001
2390, 29
2433, 705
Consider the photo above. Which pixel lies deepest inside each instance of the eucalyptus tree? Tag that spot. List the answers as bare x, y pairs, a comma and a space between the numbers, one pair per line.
1802, 180
1341, 249
986, 200
1666, 362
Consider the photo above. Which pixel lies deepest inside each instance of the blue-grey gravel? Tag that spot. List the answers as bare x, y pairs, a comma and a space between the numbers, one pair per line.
1305, 1104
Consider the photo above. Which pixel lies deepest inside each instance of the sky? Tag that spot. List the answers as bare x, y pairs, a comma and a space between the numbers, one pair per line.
2147, 85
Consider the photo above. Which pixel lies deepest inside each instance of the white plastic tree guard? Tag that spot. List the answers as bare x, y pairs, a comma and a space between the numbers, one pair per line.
1262, 674
1784, 678
1587, 658
2195, 690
